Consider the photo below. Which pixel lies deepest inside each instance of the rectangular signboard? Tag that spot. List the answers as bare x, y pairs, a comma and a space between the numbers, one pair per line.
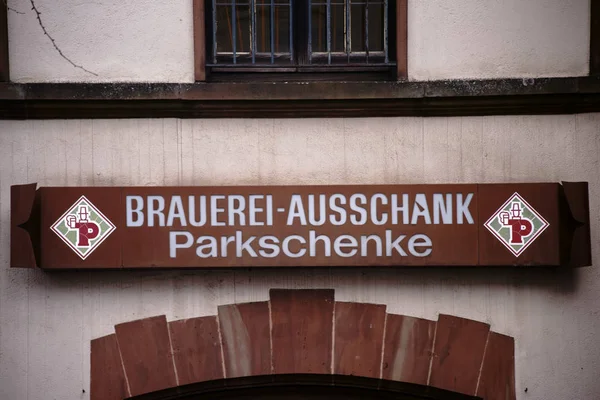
287, 226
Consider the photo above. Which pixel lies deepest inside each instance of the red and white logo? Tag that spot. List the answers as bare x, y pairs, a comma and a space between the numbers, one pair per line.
516, 224
83, 227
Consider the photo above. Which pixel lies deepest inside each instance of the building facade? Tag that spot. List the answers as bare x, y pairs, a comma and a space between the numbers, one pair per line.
121, 93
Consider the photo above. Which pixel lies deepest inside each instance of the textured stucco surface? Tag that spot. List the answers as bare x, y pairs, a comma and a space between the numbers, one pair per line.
497, 38
47, 320
131, 41
145, 40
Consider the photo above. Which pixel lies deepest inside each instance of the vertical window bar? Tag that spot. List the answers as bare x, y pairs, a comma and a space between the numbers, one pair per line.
348, 34
272, 31
253, 30
291, 32
277, 20
309, 31
234, 30
214, 31
385, 31
367, 29
263, 21
329, 32
240, 33
320, 28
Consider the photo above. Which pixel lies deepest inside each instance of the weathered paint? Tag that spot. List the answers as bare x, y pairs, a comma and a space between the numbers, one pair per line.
150, 41
48, 320
474, 39
126, 41
238, 347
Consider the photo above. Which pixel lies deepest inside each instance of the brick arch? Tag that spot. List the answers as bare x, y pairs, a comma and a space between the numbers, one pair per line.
303, 332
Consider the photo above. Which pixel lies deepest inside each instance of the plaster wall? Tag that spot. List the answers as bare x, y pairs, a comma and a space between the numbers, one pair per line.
114, 40
151, 41
48, 319
474, 39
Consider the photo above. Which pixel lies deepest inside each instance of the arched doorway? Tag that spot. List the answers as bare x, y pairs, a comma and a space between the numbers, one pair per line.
304, 387
268, 348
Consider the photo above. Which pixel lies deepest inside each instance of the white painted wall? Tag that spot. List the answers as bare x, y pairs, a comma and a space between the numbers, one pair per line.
146, 40
118, 40
47, 320
464, 39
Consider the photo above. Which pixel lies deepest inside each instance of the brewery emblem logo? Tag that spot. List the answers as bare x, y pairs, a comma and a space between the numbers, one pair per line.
516, 224
83, 227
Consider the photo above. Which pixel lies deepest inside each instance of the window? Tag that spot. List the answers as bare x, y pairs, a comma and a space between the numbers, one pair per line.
300, 36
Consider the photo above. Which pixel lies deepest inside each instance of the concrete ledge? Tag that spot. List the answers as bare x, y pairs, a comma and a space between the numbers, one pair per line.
299, 99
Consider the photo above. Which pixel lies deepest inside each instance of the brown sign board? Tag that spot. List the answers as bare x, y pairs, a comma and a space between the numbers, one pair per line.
529, 224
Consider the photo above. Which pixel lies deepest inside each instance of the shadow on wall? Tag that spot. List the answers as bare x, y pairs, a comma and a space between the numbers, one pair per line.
551, 279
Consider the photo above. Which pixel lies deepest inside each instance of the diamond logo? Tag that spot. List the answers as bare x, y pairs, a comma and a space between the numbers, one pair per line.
83, 227
516, 224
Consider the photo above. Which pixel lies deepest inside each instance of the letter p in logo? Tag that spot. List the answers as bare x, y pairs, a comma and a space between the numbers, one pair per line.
519, 228
83, 227
86, 230
516, 224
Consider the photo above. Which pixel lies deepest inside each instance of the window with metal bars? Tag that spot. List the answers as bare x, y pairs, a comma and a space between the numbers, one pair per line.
300, 35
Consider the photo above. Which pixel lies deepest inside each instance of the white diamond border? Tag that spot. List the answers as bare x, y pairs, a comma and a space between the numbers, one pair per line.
537, 234
97, 244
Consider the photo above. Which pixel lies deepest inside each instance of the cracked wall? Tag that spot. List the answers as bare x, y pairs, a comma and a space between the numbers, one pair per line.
151, 41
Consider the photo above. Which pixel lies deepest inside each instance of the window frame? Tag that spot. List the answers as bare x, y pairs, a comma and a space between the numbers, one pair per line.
595, 39
4, 64
303, 72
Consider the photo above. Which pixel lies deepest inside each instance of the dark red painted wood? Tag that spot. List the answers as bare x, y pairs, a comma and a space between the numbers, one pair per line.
402, 39
246, 335
408, 349
107, 375
576, 251
146, 353
358, 339
458, 353
24, 226
302, 327
497, 381
199, 41
196, 349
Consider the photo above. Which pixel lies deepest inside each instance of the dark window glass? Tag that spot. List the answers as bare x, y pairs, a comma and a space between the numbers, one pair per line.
299, 32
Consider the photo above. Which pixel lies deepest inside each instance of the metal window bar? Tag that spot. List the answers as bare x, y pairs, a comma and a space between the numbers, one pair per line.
272, 31
310, 50
347, 29
367, 23
253, 30
291, 32
329, 32
234, 30
367, 30
235, 54
231, 49
214, 31
385, 31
